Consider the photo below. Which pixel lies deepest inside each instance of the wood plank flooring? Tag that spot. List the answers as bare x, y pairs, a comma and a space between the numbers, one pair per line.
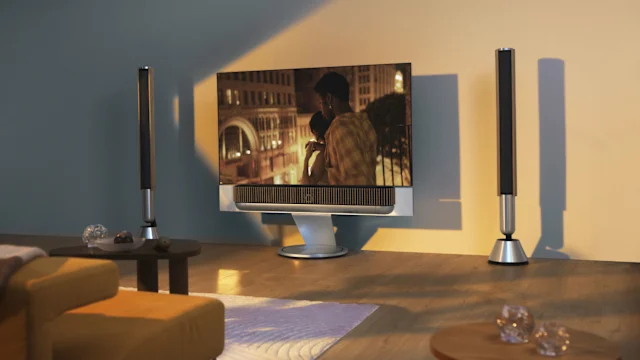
417, 293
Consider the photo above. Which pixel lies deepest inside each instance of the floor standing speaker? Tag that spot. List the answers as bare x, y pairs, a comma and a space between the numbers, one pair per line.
507, 251
147, 152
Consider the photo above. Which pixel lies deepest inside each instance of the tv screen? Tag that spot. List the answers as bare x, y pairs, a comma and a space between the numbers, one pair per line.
342, 126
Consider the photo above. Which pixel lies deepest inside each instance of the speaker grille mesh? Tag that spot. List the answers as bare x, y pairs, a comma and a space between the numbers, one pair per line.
505, 78
316, 195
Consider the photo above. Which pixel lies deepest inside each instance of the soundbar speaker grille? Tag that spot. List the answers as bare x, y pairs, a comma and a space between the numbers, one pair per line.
314, 195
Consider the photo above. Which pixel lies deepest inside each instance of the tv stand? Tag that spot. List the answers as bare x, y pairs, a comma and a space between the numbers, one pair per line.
319, 238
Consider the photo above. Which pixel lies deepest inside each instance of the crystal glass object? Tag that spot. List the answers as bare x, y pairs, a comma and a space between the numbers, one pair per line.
515, 323
93, 233
552, 339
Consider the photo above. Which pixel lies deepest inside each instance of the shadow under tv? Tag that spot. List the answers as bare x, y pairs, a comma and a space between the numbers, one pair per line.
267, 119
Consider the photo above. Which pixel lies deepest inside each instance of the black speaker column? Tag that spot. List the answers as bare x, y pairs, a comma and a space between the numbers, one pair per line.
147, 152
507, 251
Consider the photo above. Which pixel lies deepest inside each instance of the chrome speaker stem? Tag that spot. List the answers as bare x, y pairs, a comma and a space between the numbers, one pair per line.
508, 251
319, 238
150, 229
147, 206
507, 214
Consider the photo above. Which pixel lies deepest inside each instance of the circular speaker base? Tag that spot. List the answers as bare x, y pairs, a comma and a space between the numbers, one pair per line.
312, 251
508, 252
148, 232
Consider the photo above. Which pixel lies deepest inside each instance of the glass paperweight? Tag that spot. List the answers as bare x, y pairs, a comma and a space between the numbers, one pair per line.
552, 339
93, 233
515, 323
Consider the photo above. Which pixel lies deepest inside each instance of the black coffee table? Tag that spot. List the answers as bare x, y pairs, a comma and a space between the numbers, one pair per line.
147, 258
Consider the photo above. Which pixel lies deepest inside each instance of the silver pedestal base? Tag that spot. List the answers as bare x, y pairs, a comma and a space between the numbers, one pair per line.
149, 232
319, 239
312, 251
508, 252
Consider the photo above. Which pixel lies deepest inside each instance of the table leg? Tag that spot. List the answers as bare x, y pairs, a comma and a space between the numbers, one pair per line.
148, 275
179, 276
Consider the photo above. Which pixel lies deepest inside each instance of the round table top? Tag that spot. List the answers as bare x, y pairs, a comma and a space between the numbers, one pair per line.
482, 341
178, 249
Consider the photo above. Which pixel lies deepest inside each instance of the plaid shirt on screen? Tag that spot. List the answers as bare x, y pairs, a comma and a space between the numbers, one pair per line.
351, 150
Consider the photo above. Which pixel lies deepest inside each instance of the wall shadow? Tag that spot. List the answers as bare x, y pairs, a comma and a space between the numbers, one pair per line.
436, 168
553, 158
202, 190
68, 108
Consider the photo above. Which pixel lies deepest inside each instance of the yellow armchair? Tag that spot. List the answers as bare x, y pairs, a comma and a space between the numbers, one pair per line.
40, 292
57, 308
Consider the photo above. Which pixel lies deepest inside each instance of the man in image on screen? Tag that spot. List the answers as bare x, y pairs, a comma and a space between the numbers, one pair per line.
351, 141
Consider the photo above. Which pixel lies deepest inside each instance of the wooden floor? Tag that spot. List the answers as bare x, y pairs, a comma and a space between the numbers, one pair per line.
418, 293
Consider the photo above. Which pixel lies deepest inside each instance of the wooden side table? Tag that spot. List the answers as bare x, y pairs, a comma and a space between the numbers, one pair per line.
147, 260
481, 341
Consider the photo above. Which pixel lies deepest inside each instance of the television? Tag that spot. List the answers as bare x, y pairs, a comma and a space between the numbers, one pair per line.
316, 142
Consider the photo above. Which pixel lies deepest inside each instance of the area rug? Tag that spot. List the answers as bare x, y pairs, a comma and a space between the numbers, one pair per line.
276, 329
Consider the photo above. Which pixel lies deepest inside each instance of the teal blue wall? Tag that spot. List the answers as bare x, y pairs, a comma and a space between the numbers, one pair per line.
68, 109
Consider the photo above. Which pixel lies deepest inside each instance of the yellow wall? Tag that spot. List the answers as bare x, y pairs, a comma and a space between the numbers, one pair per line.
599, 44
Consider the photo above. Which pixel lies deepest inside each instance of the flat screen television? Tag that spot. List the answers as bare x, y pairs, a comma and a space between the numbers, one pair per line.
316, 142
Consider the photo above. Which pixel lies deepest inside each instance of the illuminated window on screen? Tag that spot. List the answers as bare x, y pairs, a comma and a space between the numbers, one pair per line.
229, 97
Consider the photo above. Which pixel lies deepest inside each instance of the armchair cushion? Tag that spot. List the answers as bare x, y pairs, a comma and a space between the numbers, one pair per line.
142, 326
12, 258
42, 290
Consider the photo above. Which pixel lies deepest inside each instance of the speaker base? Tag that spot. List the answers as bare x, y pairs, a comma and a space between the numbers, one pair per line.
508, 252
312, 251
148, 232
319, 238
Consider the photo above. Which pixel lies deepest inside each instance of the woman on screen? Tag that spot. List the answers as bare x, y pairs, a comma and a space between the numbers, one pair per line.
318, 174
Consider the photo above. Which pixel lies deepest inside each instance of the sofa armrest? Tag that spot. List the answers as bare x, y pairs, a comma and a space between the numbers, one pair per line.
46, 287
